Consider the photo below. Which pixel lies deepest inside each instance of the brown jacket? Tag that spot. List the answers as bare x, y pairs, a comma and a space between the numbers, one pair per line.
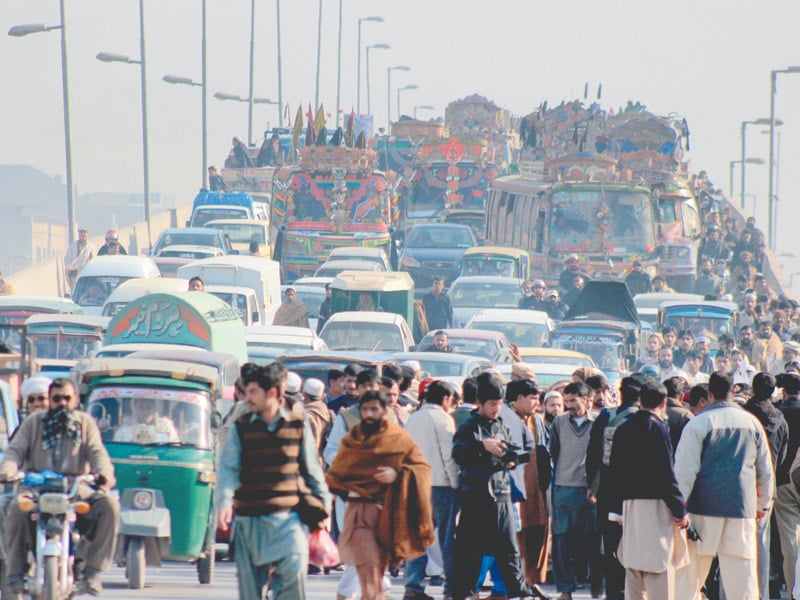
88, 455
405, 529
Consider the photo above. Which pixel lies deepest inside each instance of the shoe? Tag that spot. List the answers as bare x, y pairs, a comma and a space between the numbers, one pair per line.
565, 596
416, 596
775, 589
314, 570
436, 580
597, 589
536, 592
91, 583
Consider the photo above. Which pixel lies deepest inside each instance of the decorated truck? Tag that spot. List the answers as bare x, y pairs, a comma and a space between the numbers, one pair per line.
335, 197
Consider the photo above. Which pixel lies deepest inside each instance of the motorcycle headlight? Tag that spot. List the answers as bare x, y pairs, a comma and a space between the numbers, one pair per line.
142, 500
53, 504
409, 262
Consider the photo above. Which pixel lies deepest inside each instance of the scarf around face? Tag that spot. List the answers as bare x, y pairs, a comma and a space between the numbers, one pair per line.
57, 424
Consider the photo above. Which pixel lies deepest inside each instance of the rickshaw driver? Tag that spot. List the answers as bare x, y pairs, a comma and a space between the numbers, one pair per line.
67, 441
147, 426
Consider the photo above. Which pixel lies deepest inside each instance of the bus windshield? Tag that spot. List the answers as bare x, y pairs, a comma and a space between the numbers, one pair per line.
595, 220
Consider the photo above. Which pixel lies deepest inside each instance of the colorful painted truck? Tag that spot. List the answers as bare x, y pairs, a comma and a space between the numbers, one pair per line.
335, 197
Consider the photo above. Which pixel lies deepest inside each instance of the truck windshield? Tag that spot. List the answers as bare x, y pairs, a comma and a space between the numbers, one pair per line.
243, 233
429, 193
201, 216
151, 416
595, 220
65, 346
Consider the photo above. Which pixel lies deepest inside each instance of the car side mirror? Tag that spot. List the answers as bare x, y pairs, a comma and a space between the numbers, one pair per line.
255, 315
216, 421
188, 222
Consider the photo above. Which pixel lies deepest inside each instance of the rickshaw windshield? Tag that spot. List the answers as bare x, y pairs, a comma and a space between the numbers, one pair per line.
151, 417
65, 346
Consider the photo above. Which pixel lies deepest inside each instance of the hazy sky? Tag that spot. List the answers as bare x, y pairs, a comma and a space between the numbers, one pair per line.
708, 60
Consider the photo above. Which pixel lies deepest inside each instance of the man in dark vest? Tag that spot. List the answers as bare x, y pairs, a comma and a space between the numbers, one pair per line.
267, 454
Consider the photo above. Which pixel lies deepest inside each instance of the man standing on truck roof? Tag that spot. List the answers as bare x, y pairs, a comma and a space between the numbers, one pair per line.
215, 180
79, 253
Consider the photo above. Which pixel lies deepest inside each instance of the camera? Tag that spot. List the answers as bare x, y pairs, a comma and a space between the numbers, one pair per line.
513, 455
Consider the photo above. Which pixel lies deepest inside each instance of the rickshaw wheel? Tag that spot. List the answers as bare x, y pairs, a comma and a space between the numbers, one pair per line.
205, 567
135, 564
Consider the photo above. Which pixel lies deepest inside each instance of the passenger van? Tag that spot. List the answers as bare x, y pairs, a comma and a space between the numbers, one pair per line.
103, 274
133, 289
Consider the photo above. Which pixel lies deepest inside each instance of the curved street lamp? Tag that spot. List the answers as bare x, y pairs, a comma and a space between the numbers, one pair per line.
180, 80
32, 28
358, 76
742, 161
403, 89
771, 197
421, 107
373, 47
389, 93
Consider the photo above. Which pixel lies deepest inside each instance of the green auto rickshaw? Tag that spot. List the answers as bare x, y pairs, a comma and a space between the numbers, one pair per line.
157, 420
385, 291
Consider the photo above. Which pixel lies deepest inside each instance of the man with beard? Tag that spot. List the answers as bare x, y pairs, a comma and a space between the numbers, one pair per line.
292, 313
553, 406
685, 343
707, 283
665, 367
441, 342
702, 345
753, 348
386, 482
572, 267
745, 267
573, 291
486, 527
748, 314
773, 348
67, 441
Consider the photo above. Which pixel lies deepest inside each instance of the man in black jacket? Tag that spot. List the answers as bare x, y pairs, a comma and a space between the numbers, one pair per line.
438, 308
760, 405
481, 449
598, 454
638, 281
645, 492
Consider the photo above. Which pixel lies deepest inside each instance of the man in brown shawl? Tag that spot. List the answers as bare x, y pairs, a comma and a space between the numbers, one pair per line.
292, 313
381, 473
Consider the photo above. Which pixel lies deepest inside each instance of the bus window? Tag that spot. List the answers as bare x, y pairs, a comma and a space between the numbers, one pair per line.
691, 220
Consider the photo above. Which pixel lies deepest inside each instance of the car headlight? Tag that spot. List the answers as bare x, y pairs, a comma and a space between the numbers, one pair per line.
682, 252
409, 262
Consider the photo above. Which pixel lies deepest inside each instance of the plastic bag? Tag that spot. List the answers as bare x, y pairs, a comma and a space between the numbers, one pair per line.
322, 550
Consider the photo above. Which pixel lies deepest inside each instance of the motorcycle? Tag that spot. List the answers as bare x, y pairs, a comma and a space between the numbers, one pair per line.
53, 502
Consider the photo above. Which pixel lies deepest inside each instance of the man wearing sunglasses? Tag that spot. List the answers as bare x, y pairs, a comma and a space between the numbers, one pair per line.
66, 441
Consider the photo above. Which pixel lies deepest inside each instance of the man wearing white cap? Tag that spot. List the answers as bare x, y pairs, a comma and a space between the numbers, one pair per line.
294, 384
319, 416
34, 394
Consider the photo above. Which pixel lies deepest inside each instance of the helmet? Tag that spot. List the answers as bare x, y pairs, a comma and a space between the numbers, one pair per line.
112, 235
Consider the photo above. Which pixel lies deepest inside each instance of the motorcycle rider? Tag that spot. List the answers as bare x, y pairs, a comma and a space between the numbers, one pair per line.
66, 441
112, 245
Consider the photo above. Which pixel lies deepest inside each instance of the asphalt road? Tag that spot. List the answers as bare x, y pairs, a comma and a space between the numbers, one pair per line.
176, 580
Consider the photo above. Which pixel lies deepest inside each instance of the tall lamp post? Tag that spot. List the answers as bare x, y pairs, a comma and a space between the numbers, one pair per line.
372, 47
23, 30
110, 57
421, 107
389, 93
403, 89
180, 80
280, 67
742, 161
771, 199
252, 68
358, 76
749, 161
319, 54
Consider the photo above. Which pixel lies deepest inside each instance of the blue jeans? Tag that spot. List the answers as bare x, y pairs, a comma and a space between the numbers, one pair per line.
574, 537
445, 509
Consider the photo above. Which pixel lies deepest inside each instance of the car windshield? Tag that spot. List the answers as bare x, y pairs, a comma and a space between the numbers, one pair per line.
236, 301
184, 253
485, 348
191, 238
710, 326
333, 268
359, 335
65, 346
201, 216
93, 291
243, 233
151, 416
573, 361
492, 266
440, 237
473, 294
530, 335
445, 368
607, 352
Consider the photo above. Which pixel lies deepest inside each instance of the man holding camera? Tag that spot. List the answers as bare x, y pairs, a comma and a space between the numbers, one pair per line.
482, 448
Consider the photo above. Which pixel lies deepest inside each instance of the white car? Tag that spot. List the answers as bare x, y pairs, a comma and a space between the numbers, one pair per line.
368, 331
474, 293
103, 274
332, 268
529, 328
264, 344
376, 255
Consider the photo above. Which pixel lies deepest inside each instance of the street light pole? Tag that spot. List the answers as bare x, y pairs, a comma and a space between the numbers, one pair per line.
389, 94
403, 89
179, 80
252, 58
749, 161
21, 31
771, 199
358, 76
319, 54
339, 66
371, 47
145, 150
204, 102
280, 68
744, 162
421, 107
